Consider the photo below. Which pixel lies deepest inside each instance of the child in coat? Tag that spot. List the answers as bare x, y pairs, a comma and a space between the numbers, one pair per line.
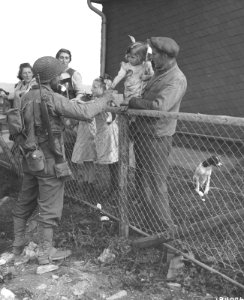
84, 152
136, 71
97, 141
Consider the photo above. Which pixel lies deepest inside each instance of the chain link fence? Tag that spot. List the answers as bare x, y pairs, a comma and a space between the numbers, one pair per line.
211, 226
121, 185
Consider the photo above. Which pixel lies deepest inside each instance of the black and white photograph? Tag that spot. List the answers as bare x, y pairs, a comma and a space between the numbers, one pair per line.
122, 150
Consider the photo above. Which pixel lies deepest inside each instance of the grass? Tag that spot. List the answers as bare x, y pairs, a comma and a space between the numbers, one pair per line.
137, 269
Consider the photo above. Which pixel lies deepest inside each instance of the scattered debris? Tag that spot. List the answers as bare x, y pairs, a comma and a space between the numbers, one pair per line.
6, 294
174, 286
30, 251
46, 268
93, 296
78, 292
7, 273
106, 257
20, 260
102, 217
175, 266
42, 286
3, 200
119, 295
6, 258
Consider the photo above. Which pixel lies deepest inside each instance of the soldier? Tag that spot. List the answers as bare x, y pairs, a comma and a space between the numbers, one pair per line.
44, 164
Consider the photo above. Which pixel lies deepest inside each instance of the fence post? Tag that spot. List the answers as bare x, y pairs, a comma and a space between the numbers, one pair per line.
123, 174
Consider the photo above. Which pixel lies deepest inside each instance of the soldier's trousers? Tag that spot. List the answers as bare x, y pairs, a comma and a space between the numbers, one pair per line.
46, 192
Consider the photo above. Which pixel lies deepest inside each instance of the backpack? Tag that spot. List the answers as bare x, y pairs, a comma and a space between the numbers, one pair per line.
15, 121
24, 137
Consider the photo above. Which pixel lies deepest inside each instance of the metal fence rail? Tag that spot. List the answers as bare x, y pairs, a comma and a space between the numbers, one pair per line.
212, 229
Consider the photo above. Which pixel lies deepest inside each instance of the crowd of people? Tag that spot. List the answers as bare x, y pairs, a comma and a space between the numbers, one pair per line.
50, 97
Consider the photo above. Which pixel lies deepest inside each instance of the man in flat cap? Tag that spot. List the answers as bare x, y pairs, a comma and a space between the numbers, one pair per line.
44, 163
153, 136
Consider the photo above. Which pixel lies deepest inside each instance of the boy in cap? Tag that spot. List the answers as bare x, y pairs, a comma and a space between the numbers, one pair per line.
43, 187
153, 136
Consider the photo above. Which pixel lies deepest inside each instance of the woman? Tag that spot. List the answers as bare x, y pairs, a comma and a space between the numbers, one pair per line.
26, 81
71, 80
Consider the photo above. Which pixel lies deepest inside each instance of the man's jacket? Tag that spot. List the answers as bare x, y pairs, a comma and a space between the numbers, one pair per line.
163, 92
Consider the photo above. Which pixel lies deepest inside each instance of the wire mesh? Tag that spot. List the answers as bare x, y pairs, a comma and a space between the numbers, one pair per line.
151, 186
147, 183
92, 151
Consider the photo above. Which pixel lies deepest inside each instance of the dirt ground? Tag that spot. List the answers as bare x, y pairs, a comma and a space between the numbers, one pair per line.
138, 274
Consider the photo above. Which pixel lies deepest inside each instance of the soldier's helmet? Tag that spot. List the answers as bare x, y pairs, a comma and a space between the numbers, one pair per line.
47, 67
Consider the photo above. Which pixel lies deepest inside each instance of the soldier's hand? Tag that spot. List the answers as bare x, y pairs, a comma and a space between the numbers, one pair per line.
124, 107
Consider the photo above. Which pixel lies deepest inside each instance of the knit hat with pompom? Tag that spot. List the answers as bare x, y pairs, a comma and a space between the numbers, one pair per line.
48, 67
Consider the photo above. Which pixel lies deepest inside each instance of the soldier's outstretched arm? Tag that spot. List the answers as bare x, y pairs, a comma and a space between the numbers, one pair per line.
81, 111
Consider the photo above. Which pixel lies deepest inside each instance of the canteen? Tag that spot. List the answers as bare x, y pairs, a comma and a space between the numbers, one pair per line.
35, 160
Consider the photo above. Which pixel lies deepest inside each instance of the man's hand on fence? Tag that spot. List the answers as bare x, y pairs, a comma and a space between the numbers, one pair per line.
124, 107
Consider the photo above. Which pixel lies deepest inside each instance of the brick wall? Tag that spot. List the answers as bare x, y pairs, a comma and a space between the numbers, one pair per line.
210, 34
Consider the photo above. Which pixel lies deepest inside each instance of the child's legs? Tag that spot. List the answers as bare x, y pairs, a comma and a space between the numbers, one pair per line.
85, 172
89, 172
114, 175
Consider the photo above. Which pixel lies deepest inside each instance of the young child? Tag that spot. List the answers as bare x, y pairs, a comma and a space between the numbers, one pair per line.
97, 141
136, 71
84, 152
106, 134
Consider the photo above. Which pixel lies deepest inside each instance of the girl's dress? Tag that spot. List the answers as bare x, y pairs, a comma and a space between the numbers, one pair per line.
106, 139
96, 142
134, 85
85, 148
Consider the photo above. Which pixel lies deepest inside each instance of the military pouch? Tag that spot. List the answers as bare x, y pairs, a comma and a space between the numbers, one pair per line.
35, 160
15, 121
63, 171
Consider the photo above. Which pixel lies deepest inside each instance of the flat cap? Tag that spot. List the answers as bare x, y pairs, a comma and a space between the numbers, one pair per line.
165, 44
48, 67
